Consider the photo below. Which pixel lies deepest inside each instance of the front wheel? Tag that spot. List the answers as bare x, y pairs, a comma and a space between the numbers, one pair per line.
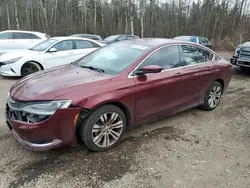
103, 129
212, 96
29, 68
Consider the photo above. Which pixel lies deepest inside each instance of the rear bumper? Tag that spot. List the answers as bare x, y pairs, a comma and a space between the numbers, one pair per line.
240, 62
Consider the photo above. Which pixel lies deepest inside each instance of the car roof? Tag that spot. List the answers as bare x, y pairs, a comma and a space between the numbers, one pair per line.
84, 34
127, 35
188, 36
154, 42
121, 35
184, 36
71, 38
77, 38
23, 31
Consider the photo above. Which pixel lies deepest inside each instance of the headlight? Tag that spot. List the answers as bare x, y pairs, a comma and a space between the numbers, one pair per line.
45, 108
236, 52
12, 60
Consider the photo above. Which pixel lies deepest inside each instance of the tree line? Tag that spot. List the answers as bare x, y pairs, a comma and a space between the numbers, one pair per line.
215, 19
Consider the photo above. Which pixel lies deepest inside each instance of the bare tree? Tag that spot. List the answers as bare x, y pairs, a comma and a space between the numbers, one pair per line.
43, 4
8, 14
131, 13
142, 9
215, 19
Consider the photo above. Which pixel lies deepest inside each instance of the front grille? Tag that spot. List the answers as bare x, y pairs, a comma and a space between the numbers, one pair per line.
14, 114
245, 53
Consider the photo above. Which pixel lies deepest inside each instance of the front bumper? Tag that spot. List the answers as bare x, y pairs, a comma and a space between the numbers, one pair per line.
240, 62
12, 70
57, 131
25, 143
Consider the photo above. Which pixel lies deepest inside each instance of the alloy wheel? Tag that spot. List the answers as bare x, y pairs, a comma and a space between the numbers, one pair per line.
214, 96
107, 130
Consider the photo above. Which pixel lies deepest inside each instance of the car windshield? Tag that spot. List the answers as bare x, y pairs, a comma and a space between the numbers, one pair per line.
44, 45
114, 58
111, 38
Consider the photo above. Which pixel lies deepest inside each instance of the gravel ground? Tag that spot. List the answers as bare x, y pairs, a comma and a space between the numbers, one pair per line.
191, 149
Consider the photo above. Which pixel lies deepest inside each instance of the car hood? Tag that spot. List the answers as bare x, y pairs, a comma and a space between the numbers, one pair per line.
52, 83
17, 53
246, 44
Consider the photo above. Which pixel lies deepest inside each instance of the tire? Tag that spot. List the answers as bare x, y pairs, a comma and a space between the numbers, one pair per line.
29, 68
212, 96
98, 135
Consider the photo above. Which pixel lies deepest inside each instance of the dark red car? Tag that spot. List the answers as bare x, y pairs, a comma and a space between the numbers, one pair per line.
95, 99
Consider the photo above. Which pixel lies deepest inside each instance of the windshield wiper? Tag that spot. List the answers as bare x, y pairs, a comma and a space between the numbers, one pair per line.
93, 68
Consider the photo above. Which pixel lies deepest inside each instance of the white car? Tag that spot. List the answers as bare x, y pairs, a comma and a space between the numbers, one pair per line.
15, 39
49, 53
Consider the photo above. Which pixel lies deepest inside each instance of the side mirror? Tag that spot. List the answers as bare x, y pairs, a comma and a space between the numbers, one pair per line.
149, 69
52, 50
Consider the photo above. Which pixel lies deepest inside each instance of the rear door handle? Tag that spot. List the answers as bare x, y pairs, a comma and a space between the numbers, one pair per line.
209, 68
177, 74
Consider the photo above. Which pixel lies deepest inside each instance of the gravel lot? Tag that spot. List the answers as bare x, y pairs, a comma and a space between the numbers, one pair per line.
191, 149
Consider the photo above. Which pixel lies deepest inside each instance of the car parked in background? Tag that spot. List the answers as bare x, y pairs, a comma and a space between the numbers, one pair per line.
116, 38
89, 36
117, 87
16, 39
49, 53
195, 39
241, 57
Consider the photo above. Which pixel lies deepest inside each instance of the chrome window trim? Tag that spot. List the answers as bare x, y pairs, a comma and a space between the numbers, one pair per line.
130, 75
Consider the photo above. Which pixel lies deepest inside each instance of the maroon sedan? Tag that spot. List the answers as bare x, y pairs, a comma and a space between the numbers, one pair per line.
95, 99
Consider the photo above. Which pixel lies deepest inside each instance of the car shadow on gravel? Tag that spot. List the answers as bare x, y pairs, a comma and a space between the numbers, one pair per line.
104, 166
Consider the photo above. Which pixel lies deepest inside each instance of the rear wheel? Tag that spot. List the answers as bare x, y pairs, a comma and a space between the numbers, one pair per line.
103, 129
212, 96
29, 68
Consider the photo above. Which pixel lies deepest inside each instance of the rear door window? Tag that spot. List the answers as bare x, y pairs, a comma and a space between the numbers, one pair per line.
19, 35
194, 55
82, 44
8, 35
131, 37
121, 38
203, 41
